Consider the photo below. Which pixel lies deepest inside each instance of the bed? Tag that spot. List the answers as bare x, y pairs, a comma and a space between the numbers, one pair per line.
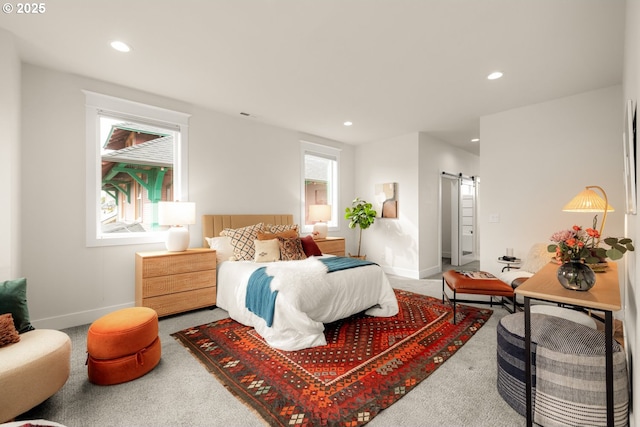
309, 292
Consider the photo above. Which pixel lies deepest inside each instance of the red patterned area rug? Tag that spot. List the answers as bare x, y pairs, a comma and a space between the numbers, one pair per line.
368, 364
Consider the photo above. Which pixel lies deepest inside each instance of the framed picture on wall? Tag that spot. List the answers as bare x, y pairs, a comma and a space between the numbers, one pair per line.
386, 200
629, 149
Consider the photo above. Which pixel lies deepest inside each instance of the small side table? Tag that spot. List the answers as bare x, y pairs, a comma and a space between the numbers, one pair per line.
332, 245
510, 264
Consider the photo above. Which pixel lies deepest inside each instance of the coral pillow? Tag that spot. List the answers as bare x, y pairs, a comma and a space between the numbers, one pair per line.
310, 247
8, 332
288, 234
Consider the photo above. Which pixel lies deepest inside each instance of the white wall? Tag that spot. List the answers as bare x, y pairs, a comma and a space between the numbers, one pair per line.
436, 157
236, 165
535, 159
408, 246
10, 158
631, 90
392, 243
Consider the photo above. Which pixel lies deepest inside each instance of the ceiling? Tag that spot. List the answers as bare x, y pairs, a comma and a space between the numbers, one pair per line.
391, 67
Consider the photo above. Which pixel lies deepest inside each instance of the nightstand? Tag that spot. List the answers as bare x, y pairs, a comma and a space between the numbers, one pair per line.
332, 245
175, 282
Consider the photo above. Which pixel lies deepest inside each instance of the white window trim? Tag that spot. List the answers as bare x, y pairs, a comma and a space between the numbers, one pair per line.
97, 104
324, 151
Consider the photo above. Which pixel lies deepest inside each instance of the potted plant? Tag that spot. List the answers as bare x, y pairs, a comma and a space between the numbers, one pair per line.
361, 214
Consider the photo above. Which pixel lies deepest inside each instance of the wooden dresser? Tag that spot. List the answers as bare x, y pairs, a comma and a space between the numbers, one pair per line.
174, 282
332, 245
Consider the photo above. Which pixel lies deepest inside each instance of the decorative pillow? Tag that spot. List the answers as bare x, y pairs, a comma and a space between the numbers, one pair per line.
291, 249
537, 258
280, 228
310, 247
8, 333
288, 234
267, 250
222, 246
13, 299
242, 240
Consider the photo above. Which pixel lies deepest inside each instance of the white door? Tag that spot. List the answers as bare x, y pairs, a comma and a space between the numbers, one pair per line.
467, 221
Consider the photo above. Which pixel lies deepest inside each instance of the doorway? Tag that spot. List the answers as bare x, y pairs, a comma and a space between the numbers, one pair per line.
458, 222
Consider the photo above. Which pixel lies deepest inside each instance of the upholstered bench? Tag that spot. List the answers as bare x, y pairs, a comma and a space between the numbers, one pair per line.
32, 370
568, 364
123, 345
459, 283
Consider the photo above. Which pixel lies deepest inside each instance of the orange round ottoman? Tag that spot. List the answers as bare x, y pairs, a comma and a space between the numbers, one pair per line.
123, 345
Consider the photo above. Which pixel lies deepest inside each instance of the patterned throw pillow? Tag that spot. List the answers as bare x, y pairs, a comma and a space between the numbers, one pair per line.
8, 332
280, 228
291, 249
267, 250
242, 240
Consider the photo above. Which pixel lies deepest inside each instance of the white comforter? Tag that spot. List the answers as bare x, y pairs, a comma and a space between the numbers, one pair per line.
307, 298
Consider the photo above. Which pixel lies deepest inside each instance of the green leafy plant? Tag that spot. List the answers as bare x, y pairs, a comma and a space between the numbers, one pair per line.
361, 214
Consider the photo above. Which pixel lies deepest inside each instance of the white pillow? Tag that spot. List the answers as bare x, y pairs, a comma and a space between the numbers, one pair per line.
267, 250
222, 245
537, 258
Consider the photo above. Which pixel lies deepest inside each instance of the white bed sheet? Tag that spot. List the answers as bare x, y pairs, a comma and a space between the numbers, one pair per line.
307, 298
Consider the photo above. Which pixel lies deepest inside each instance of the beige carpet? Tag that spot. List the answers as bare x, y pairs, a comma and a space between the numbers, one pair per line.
178, 393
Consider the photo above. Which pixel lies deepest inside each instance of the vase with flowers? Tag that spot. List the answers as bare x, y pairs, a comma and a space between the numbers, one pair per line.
578, 249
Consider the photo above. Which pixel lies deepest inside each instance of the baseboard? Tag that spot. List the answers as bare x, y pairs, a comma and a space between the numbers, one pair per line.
76, 319
401, 272
411, 274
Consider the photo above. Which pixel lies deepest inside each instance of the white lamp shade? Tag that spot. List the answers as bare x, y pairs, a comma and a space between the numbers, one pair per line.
176, 213
319, 212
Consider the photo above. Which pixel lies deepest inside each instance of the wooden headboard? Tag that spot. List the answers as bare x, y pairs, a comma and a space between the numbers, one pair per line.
212, 225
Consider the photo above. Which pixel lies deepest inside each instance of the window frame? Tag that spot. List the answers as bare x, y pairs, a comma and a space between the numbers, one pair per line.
330, 153
97, 105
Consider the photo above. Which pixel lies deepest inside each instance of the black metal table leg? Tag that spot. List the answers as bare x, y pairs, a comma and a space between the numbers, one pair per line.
528, 370
608, 351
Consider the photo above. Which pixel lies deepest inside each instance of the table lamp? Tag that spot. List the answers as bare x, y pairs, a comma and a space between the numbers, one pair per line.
589, 201
320, 214
178, 215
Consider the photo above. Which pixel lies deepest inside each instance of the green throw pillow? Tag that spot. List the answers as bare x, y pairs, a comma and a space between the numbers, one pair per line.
13, 299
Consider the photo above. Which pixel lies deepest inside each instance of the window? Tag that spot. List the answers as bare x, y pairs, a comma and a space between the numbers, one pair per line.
320, 166
136, 157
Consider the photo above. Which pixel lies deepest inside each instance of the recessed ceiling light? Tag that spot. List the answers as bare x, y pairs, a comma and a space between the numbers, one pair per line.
120, 46
347, 123
494, 75
475, 140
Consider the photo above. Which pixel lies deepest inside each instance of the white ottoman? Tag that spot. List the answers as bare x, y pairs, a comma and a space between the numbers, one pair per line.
564, 313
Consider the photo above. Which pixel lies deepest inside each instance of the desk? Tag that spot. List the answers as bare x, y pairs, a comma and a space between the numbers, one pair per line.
604, 296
